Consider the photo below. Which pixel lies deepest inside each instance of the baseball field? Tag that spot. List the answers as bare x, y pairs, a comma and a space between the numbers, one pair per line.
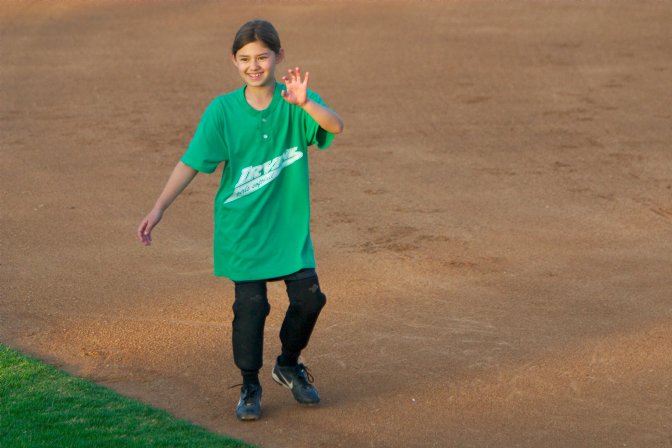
493, 229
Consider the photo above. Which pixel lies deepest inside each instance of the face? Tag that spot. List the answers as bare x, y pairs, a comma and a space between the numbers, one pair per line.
256, 64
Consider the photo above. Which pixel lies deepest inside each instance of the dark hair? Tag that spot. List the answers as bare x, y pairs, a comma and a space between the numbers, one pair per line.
256, 31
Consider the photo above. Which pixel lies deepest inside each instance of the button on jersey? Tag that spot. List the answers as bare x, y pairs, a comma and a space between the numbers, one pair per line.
262, 206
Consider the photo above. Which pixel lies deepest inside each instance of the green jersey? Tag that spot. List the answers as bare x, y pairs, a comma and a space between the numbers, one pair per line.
262, 206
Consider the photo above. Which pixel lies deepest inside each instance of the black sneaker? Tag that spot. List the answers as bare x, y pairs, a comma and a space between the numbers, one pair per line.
249, 405
297, 379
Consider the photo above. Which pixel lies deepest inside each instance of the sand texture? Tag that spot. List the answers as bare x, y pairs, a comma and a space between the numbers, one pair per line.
493, 229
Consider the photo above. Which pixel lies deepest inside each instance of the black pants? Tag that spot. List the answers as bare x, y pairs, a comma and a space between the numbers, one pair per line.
251, 307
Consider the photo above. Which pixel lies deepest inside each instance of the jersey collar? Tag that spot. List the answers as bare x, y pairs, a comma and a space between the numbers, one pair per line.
277, 98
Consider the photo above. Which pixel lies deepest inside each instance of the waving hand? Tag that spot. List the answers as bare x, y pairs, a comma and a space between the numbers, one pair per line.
297, 90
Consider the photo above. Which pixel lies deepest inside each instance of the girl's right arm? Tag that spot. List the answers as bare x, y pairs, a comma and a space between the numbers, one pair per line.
181, 176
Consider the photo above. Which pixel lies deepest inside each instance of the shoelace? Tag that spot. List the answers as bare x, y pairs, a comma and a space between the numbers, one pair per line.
250, 394
309, 376
236, 385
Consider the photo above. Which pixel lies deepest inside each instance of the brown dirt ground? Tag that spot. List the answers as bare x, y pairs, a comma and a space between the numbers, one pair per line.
493, 229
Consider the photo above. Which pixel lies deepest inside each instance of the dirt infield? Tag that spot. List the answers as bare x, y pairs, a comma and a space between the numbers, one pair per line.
493, 229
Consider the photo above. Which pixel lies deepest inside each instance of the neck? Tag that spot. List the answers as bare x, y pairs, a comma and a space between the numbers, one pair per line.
260, 97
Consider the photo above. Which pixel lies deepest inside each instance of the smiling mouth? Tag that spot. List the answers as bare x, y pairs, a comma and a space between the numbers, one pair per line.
254, 76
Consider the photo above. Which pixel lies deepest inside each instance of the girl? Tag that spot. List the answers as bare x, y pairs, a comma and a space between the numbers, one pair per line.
261, 133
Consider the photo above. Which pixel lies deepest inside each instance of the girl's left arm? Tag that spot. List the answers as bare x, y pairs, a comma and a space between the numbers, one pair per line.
297, 94
328, 119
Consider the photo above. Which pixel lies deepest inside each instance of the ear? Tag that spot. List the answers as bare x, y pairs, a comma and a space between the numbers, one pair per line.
233, 59
280, 57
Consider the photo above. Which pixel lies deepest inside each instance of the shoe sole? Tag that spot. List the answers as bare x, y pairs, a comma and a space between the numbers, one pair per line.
282, 383
249, 417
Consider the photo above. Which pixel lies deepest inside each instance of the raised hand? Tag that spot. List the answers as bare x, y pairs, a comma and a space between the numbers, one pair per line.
297, 90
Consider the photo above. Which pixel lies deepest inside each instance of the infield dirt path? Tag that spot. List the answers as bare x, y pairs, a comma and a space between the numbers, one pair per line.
493, 229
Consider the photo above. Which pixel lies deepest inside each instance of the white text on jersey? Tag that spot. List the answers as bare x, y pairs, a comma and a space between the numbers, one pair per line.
253, 178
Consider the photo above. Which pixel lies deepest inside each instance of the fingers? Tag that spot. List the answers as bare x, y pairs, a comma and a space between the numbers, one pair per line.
296, 88
291, 78
141, 230
147, 237
295, 76
145, 232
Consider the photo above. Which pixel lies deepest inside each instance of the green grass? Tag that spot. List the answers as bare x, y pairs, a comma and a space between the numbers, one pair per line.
41, 406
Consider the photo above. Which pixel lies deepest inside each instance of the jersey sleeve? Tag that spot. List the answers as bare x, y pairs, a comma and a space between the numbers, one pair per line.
208, 145
315, 135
